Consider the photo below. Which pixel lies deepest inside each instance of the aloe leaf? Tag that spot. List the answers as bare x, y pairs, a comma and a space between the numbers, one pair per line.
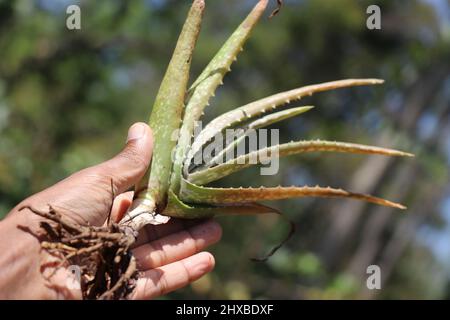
277, 117
169, 104
257, 124
164, 120
253, 109
178, 209
256, 157
206, 84
227, 54
193, 193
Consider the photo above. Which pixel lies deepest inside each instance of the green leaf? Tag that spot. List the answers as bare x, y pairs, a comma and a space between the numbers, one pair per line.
220, 196
257, 124
265, 154
277, 117
178, 209
168, 108
206, 84
256, 108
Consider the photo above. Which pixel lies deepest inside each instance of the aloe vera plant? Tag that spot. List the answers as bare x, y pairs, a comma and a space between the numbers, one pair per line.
175, 188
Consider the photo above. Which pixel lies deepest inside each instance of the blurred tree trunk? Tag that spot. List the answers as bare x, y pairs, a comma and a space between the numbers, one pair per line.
371, 238
372, 244
402, 236
372, 174
368, 248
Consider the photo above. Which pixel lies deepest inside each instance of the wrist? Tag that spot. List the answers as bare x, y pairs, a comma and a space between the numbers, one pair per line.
20, 260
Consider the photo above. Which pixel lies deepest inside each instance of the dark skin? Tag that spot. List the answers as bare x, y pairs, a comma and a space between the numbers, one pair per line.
169, 256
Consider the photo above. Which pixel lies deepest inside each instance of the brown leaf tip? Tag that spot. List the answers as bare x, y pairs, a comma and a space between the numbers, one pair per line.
200, 4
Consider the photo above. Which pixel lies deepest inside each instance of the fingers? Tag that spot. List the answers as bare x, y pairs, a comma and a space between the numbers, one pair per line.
177, 246
130, 165
120, 205
172, 262
160, 281
150, 232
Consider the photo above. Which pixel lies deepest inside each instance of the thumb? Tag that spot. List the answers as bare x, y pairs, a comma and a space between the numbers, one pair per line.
130, 165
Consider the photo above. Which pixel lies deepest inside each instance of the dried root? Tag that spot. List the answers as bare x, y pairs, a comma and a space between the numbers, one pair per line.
102, 254
277, 10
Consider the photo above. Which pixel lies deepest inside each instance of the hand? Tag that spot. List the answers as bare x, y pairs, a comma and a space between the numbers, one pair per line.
168, 255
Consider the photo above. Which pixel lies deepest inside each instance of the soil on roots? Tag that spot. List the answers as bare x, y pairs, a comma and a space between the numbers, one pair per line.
101, 254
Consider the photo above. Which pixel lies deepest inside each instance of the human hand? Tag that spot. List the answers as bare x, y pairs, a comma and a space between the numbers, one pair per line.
168, 256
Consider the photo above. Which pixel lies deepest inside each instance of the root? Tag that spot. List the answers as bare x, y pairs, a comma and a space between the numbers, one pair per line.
102, 254
278, 8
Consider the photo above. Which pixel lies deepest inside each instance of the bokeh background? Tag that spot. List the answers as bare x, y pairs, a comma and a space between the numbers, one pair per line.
67, 99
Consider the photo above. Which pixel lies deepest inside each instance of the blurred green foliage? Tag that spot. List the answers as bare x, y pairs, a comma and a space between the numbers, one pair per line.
68, 97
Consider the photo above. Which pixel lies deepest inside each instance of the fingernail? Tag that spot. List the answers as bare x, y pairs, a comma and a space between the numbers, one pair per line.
136, 132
